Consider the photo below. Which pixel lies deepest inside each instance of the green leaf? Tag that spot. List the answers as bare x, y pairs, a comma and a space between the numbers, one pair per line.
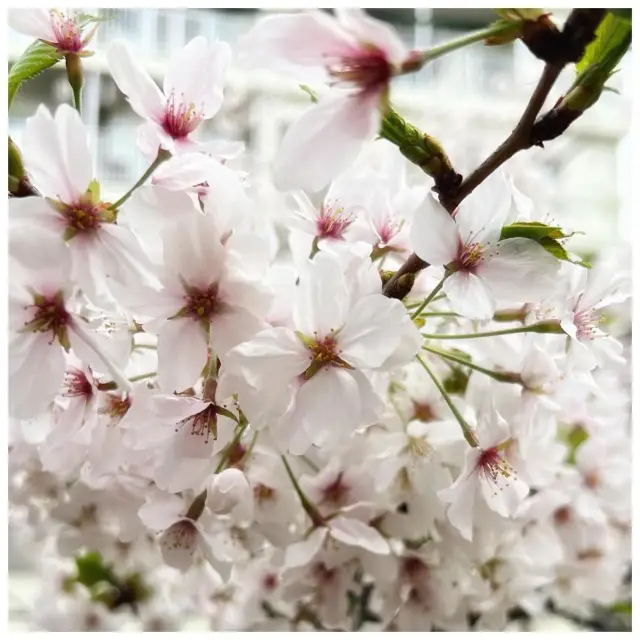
546, 236
92, 571
611, 33
624, 608
38, 57
621, 13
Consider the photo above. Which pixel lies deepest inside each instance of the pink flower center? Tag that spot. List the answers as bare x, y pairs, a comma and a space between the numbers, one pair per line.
332, 222
387, 231
117, 406
587, 324
84, 217
67, 32
491, 465
49, 314
337, 492
202, 304
470, 255
369, 70
180, 119
414, 570
323, 352
77, 384
203, 424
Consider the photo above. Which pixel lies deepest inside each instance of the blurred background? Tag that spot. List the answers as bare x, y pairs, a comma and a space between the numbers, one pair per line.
469, 100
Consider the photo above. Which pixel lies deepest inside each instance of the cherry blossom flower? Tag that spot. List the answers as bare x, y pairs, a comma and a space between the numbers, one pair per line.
338, 338
64, 32
56, 149
482, 269
43, 323
360, 56
192, 92
204, 301
486, 470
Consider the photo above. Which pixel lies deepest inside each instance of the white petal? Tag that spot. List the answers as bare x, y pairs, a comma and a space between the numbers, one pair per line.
34, 22
358, 534
159, 514
36, 374
301, 39
142, 92
47, 154
197, 74
480, 217
178, 544
231, 327
75, 148
301, 553
373, 32
434, 234
468, 296
182, 354
226, 491
325, 140
520, 271
505, 495
372, 331
273, 357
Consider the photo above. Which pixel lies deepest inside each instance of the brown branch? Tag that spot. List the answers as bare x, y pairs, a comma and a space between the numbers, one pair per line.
578, 31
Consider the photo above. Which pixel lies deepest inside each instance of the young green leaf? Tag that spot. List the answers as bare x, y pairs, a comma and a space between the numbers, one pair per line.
611, 33
38, 57
546, 236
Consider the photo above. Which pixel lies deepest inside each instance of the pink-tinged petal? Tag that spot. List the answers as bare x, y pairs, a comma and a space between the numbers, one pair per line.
178, 544
300, 554
32, 22
325, 140
480, 217
504, 495
461, 496
274, 357
369, 31
123, 258
434, 234
182, 354
36, 373
143, 94
358, 534
519, 271
182, 172
44, 153
469, 296
372, 331
160, 513
181, 473
328, 406
192, 250
35, 212
305, 39
323, 297
197, 75
39, 249
231, 327
223, 149
149, 138
75, 148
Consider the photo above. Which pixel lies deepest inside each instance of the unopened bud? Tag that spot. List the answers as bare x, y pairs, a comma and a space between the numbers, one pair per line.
227, 490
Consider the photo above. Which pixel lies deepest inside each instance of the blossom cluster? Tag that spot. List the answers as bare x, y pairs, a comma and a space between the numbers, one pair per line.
227, 424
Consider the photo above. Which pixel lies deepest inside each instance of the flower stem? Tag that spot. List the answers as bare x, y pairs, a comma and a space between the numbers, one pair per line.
230, 447
160, 158
143, 376
466, 430
311, 509
464, 41
500, 376
550, 326
428, 299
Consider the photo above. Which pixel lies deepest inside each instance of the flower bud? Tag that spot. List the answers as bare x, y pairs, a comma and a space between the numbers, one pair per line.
227, 490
